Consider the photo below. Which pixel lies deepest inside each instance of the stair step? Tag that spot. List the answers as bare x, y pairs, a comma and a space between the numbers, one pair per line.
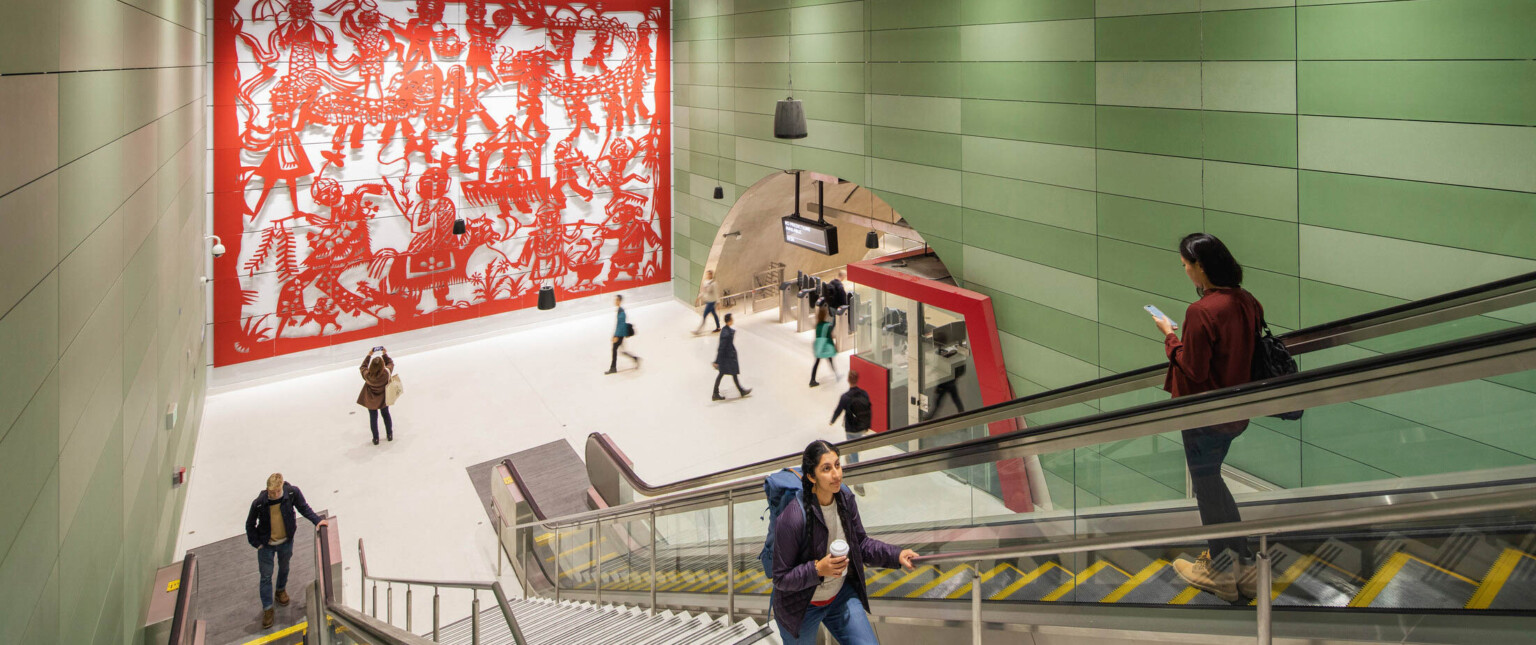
1407, 581
1094, 583
1509, 584
1036, 584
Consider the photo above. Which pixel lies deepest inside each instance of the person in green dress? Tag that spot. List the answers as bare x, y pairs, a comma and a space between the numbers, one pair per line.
823, 347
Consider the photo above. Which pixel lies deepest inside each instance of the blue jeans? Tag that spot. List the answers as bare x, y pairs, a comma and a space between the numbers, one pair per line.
264, 556
709, 310
845, 618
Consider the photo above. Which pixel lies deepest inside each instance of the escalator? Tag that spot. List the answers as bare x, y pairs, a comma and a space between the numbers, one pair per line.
698, 539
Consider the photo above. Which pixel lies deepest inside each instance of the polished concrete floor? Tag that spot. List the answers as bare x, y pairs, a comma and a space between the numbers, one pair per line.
410, 499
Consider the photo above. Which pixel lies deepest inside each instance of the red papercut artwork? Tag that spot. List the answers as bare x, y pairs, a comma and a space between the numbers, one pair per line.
382, 166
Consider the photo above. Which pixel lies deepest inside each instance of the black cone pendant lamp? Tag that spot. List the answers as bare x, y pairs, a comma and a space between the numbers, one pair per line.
546, 298
872, 240
789, 119
458, 226
719, 192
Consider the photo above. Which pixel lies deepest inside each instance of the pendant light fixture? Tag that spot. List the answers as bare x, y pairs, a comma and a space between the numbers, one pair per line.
872, 240
719, 189
458, 226
546, 298
789, 115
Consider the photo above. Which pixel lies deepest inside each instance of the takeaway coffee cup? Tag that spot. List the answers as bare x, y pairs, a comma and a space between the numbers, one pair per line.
839, 549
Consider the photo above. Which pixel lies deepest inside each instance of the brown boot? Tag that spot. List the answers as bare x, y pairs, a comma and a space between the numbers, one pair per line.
1248, 578
1203, 575
266, 618
282, 597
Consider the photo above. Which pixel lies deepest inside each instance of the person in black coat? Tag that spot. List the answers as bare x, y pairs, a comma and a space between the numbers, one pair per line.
725, 360
270, 528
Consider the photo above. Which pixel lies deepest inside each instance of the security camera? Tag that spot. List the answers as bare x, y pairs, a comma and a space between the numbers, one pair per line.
218, 245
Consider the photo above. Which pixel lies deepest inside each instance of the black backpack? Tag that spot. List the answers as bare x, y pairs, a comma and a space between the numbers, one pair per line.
859, 411
1272, 359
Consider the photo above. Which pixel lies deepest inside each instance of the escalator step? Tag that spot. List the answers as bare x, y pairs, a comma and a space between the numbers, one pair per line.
1094, 583
1405, 581
1036, 584
1510, 584
908, 583
992, 582
1157, 584
945, 584
1313, 582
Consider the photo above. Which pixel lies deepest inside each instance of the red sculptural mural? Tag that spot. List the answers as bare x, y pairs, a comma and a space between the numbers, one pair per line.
382, 166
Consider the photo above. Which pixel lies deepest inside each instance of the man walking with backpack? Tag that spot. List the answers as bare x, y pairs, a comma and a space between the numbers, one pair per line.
856, 412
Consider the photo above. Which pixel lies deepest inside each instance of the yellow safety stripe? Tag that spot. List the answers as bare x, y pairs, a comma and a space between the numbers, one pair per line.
279, 634
937, 581
1004, 593
904, 579
1140, 577
1185, 596
1379, 581
587, 565
985, 578
1080, 578
1498, 574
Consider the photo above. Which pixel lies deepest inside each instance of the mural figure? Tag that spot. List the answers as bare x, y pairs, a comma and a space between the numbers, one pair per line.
388, 121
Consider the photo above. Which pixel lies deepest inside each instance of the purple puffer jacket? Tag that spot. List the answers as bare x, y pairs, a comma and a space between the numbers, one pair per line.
794, 565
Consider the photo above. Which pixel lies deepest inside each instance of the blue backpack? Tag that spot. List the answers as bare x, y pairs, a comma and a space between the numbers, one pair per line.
782, 489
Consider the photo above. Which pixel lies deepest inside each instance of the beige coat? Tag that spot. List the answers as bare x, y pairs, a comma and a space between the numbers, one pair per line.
374, 381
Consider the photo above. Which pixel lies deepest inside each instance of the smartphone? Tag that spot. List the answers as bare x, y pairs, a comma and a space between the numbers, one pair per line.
1156, 313
380, 348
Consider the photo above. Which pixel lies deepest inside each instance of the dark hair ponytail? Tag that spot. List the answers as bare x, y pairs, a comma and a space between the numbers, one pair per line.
810, 459
1213, 257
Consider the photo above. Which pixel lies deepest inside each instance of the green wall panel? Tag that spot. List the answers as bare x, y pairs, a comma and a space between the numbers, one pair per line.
1352, 155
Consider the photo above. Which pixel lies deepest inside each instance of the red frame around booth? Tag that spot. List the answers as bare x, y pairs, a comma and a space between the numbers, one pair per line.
986, 352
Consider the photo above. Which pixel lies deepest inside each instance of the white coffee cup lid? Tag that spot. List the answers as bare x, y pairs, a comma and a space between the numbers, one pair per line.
839, 548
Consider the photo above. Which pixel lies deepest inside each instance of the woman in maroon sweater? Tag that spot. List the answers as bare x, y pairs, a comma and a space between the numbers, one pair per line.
1220, 330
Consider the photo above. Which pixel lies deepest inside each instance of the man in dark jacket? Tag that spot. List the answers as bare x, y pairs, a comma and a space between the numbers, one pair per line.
270, 528
725, 360
856, 412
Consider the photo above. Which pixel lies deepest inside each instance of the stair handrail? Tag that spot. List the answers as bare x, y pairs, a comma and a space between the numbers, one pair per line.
1518, 499
1480, 299
475, 586
1481, 356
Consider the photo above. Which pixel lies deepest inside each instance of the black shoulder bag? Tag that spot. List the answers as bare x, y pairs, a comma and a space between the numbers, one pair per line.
1272, 359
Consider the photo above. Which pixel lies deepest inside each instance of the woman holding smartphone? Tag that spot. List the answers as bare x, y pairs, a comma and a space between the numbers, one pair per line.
376, 371
1220, 331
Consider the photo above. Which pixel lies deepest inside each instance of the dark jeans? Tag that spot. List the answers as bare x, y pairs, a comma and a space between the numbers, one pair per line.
817, 364
264, 557
613, 365
721, 376
709, 310
950, 389
1204, 450
373, 422
852, 457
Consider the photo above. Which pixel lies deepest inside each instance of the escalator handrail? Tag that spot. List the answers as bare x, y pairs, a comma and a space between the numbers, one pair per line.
1519, 499
1418, 368
182, 620
1484, 298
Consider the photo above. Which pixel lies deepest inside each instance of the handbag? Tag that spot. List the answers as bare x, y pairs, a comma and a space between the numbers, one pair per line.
1272, 359
629, 330
393, 390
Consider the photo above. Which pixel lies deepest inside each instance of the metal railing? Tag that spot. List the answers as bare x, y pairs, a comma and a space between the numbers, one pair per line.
1483, 356
474, 586
185, 628
1438, 509
1473, 301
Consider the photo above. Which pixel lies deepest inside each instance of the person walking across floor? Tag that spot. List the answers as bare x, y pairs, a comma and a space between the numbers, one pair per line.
811, 587
823, 348
270, 528
1220, 332
376, 371
621, 331
857, 414
709, 294
725, 361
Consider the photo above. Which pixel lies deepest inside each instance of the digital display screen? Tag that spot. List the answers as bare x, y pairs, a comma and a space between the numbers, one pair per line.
816, 236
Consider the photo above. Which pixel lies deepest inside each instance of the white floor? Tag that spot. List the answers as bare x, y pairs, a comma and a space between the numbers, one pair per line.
411, 500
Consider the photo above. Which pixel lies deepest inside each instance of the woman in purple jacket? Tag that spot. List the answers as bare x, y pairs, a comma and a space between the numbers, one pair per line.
810, 586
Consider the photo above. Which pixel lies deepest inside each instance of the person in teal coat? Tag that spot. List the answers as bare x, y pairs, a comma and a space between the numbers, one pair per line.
621, 331
823, 347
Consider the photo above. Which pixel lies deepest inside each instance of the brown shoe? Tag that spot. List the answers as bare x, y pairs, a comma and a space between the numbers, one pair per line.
1248, 578
282, 597
1203, 575
266, 618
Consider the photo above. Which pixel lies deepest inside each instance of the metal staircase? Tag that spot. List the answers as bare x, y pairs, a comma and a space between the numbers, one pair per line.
547, 622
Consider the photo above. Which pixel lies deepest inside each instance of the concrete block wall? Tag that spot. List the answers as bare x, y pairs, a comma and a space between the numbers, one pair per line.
101, 304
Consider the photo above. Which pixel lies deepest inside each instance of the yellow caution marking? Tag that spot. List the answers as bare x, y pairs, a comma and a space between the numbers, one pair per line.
904, 579
937, 581
985, 578
296, 629
1080, 578
1498, 574
1140, 578
1185, 596
1389, 571
1005, 592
